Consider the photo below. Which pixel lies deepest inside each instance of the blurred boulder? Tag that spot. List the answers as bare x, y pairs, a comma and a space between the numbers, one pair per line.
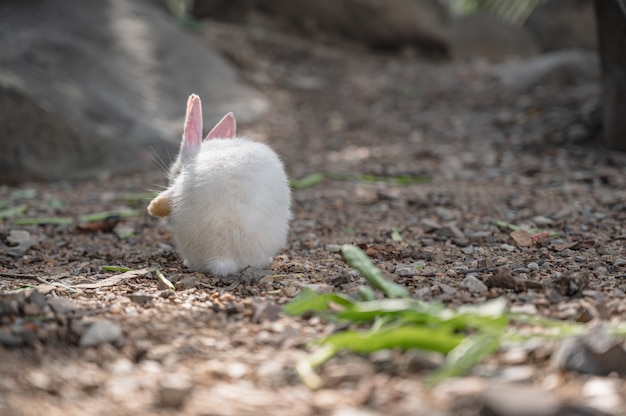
386, 24
563, 24
100, 87
481, 34
557, 68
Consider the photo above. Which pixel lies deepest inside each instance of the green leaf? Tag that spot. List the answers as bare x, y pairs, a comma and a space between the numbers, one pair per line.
466, 355
366, 293
165, 280
43, 221
100, 216
357, 259
395, 235
24, 194
13, 211
307, 181
306, 368
403, 337
121, 269
309, 300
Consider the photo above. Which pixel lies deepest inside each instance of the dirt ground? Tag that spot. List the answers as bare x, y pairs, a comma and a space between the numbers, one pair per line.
216, 347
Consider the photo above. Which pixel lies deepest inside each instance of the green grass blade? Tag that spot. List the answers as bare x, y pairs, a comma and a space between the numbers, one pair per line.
357, 259
44, 221
100, 216
466, 355
13, 211
165, 281
309, 300
307, 181
403, 337
121, 269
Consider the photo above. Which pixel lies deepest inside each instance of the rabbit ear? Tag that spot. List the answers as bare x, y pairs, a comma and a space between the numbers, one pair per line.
225, 129
192, 133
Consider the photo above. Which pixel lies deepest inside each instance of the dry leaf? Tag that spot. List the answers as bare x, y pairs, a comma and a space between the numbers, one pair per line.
522, 238
114, 280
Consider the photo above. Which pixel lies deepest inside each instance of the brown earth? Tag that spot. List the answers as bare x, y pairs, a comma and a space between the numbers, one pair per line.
217, 347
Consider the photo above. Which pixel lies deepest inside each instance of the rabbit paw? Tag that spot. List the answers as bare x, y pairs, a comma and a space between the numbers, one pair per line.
160, 206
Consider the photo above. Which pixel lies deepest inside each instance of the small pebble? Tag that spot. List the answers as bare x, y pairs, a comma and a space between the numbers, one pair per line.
406, 271
101, 332
173, 390
473, 284
532, 266
507, 247
333, 248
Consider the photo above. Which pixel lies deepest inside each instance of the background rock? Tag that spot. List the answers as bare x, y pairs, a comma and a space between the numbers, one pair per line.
95, 88
484, 35
563, 24
557, 68
388, 24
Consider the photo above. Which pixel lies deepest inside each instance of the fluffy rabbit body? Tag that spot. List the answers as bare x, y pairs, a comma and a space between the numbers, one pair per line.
228, 202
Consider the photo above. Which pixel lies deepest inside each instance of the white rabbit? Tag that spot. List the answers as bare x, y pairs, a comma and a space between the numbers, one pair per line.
228, 199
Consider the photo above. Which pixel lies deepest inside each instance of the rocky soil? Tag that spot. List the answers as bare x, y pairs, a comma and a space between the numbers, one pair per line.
76, 339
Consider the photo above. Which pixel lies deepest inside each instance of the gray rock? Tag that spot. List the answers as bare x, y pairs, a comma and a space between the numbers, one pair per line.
266, 312
597, 353
484, 35
507, 247
532, 266
430, 225
173, 390
473, 284
444, 214
101, 332
406, 271
450, 231
377, 23
518, 400
95, 88
20, 241
560, 68
62, 306
563, 24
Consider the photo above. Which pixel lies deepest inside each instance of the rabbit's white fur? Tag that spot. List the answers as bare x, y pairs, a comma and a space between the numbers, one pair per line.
229, 204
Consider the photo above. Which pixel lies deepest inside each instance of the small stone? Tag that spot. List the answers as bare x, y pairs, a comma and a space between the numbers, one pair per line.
603, 394
620, 261
596, 352
266, 312
518, 400
445, 214
320, 288
289, 291
333, 248
101, 332
406, 271
173, 390
141, 298
480, 237
62, 306
532, 266
507, 247
473, 284
522, 238
541, 220
430, 225
450, 231
570, 284
502, 277
448, 290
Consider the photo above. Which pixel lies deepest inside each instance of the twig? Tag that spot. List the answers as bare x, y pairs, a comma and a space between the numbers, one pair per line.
33, 277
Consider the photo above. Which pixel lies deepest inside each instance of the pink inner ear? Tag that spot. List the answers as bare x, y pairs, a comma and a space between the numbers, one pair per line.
192, 133
225, 129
